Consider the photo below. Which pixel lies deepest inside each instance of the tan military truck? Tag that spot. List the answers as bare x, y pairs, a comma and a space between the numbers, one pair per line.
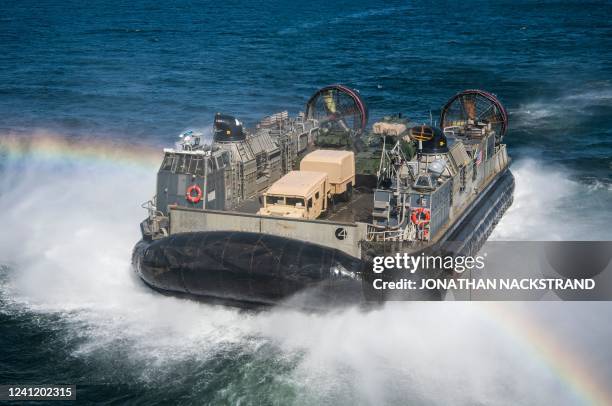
339, 167
298, 194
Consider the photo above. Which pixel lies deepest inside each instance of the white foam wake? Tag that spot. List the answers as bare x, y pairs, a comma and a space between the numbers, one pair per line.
548, 205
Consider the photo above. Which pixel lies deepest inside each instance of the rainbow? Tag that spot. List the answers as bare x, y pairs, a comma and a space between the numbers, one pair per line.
55, 148
563, 362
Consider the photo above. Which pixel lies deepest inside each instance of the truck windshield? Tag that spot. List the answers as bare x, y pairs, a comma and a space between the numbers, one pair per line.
294, 201
275, 200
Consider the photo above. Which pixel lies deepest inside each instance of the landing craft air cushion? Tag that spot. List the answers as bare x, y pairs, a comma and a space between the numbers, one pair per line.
300, 206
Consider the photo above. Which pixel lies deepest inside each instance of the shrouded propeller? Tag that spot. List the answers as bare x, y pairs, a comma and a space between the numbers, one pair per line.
475, 107
338, 104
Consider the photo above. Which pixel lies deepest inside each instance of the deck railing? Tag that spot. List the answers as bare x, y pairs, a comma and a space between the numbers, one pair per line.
376, 234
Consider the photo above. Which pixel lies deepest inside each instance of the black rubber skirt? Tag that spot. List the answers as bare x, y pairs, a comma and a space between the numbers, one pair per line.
248, 268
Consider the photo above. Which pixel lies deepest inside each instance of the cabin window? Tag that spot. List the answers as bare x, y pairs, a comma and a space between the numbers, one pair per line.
317, 196
275, 200
382, 196
295, 201
424, 181
180, 166
200, 168
167, 164
310, 202
194, 164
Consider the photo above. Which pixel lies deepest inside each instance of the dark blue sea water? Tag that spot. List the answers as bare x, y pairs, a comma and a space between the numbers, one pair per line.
138, 72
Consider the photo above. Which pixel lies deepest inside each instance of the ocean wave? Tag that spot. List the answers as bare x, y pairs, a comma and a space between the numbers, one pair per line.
359, 15
591, 96
559, 111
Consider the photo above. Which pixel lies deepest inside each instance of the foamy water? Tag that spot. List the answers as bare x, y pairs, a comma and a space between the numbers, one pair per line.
550, 206
72, 226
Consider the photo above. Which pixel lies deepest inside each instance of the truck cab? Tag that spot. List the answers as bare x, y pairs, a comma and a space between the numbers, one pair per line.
298, 194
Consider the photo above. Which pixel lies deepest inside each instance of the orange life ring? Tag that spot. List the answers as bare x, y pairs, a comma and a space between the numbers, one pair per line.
420, 216
191, 197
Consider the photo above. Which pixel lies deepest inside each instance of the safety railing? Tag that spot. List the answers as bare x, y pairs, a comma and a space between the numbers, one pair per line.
402, 234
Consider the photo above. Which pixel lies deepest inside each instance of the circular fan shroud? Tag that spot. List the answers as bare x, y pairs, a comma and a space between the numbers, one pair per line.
477, 105
338, 102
